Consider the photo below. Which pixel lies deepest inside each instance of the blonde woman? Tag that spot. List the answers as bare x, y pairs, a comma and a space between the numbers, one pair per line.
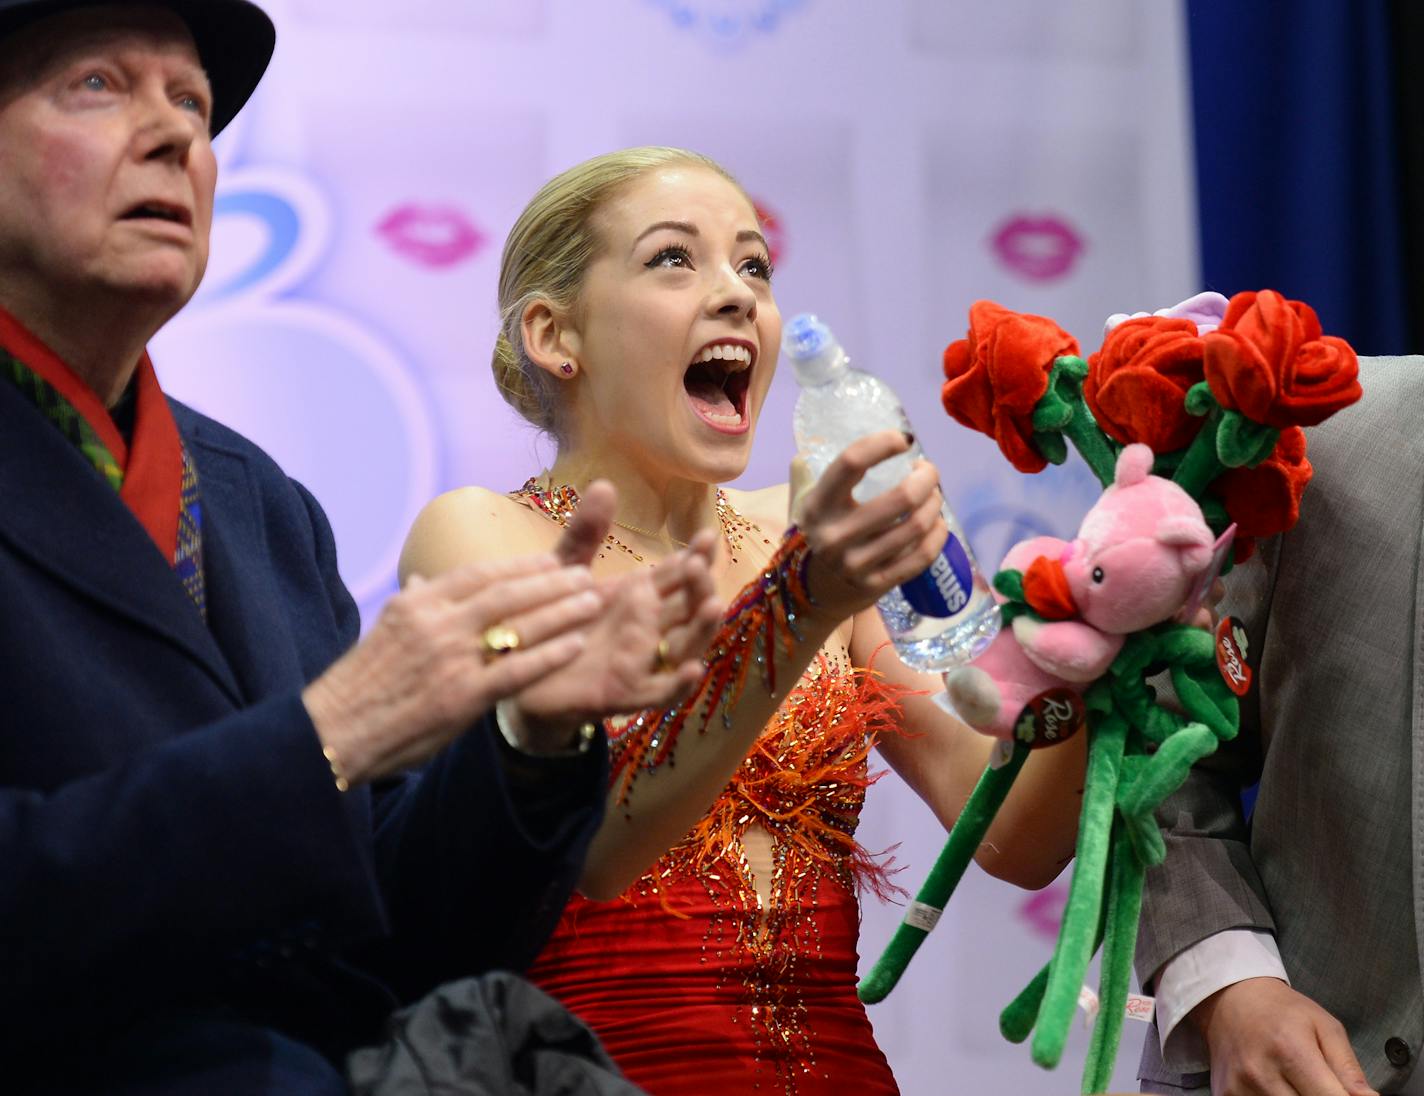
713, 948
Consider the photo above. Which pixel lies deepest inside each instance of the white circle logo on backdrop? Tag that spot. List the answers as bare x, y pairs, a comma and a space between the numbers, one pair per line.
334, 404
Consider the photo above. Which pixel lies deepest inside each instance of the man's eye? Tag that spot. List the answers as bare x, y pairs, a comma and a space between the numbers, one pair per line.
191, 102
94, 82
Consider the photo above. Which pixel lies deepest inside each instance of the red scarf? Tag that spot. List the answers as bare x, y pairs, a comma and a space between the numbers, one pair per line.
152, 465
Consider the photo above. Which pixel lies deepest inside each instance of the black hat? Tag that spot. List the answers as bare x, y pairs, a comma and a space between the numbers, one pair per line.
234, 40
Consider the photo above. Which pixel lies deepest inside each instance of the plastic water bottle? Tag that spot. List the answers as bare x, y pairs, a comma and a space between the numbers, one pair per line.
945, 616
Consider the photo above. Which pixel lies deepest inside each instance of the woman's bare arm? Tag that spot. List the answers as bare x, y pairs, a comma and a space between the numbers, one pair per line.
942, 758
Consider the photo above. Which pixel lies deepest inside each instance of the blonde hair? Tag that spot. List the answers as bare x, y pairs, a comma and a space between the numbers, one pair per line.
547, 255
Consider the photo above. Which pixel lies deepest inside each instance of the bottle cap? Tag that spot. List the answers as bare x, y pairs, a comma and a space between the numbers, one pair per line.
815, 355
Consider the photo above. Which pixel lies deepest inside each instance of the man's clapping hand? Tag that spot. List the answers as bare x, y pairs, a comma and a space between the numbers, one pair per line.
424, 673
1266, 1039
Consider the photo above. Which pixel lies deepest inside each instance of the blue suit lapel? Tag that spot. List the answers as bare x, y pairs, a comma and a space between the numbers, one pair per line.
58, 512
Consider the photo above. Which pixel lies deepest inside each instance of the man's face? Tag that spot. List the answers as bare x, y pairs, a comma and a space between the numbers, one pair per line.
106, 169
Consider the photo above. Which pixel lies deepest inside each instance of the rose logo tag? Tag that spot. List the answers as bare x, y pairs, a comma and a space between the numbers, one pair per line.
1049, 718
1231, 655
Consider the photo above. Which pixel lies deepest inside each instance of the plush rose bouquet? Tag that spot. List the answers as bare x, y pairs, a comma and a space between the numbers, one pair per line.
1220, 392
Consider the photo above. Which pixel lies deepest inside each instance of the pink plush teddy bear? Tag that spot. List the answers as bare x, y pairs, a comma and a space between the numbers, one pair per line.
1141, 553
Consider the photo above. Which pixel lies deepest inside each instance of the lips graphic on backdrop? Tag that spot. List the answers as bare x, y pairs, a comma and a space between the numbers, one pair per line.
432, 236
1039, 249
1042, 911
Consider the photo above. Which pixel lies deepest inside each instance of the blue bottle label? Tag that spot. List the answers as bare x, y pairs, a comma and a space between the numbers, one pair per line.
943, 588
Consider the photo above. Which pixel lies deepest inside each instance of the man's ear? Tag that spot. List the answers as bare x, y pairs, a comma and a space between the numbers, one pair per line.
550, 340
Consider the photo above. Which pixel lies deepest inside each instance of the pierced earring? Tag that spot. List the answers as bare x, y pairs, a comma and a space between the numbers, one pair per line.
567, 369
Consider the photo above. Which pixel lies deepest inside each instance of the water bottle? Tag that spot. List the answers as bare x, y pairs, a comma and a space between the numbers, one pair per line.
945, 616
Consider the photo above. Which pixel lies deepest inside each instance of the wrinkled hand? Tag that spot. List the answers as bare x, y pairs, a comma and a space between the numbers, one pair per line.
1265, 1039
861, 550
619, 670
421, 677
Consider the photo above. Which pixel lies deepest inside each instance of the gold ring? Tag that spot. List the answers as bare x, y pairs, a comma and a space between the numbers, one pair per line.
664, 664
499, 639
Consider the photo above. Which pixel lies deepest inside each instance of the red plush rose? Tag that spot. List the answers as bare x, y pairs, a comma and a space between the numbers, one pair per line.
1137, 383
997, 375
1265, 500
1269, 361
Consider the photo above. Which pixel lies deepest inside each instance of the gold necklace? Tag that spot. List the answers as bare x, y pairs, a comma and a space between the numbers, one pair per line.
559, 501
667, 538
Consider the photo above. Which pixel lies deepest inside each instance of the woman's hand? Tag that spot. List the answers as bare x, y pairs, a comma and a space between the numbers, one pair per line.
861, 550
643, 650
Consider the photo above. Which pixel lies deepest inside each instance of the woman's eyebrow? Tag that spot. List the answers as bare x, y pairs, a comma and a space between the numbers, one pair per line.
690, 229
678, 226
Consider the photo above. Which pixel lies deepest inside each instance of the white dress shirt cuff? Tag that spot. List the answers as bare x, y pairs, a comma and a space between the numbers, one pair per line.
1194, 974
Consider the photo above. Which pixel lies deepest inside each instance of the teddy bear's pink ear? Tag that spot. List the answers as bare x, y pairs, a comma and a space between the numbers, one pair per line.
1134, 464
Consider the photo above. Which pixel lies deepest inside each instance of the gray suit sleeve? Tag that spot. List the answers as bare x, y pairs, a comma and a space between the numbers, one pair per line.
1207, 883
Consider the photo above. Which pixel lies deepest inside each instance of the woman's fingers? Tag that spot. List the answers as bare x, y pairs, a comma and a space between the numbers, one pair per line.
905, 496
832, 490
854, 523
925, 524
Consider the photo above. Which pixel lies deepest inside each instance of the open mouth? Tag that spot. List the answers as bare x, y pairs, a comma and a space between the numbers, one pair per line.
159, 211
717, 383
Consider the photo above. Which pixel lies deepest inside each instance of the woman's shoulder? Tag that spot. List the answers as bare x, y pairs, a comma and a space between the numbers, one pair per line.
468, 525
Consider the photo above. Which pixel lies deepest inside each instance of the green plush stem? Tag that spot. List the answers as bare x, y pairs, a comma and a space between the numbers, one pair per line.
966, 836
1050, 446
1148, 780
1085, 893
1009, 583
1019, 1015
1119, 939
1204, 695
1200, 463
1165, 770
1240, 442
1062, 410
1083, 432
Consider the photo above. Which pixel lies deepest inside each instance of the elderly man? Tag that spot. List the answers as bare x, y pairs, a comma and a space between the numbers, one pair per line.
216, 874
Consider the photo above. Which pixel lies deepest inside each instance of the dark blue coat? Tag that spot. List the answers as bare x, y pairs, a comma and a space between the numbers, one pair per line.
177, 869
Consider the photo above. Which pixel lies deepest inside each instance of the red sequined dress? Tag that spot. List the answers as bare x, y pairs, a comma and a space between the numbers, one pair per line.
691, 985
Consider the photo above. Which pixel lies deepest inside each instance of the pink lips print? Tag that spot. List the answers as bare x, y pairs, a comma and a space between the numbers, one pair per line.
433, 236
1040, 249
1044, 911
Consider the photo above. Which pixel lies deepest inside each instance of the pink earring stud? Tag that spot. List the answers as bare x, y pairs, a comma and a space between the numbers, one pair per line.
567, 369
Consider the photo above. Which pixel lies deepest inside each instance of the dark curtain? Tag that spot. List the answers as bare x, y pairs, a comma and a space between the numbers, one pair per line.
1302, 140
1407, 45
